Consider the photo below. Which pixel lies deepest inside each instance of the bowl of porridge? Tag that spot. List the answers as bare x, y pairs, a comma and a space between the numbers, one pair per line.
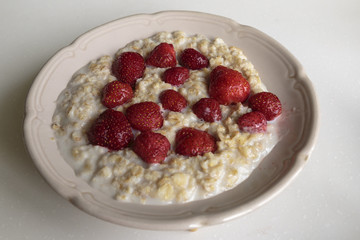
164, 127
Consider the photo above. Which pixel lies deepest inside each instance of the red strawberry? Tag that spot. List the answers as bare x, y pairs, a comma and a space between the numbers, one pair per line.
172, 100
193, 142
193, 59
116, 93
267, 103
176, 76
151, 147
228, 86
111, 130
145, 116
162, 56
253, 122
207, 109
128, 67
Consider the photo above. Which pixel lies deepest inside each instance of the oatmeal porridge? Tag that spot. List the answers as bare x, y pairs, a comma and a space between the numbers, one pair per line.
122, 174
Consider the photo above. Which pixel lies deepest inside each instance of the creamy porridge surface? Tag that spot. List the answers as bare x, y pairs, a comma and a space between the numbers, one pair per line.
122, 174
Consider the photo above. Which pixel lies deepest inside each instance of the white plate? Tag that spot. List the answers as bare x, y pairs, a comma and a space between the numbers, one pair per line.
279, 70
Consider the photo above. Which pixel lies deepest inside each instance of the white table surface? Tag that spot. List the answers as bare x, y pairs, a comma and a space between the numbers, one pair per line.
322, 203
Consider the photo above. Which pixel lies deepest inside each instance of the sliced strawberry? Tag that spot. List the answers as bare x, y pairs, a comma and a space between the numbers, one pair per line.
193, 59
193, 142
151, 147
228, 86
176, 76
111, 130
128, 67
172, 100
267, 103
116, 93
207, 109
162, 56
145, 116
253, 122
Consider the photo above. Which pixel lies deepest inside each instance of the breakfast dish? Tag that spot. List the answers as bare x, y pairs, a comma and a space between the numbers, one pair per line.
281, 72
171, 118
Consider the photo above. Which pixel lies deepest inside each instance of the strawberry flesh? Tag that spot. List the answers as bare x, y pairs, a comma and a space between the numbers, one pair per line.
193, 142
267, 103
172, 100
111, 130
144, 116
116, 93
128, 67
193, 59
253, 122
228, 86
176, 76
151, 147
162, 56
207, 109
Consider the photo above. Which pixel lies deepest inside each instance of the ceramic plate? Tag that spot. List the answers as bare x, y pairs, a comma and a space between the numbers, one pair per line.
279, 70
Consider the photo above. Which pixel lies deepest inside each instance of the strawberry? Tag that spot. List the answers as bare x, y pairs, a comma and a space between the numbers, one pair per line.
116, 93
162, 56
151, 147
193, 142
176, 76
111, 130
253, 122
172, 100
207, 109
145, 116
267, 103
193, 59
228, 86
128, 67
